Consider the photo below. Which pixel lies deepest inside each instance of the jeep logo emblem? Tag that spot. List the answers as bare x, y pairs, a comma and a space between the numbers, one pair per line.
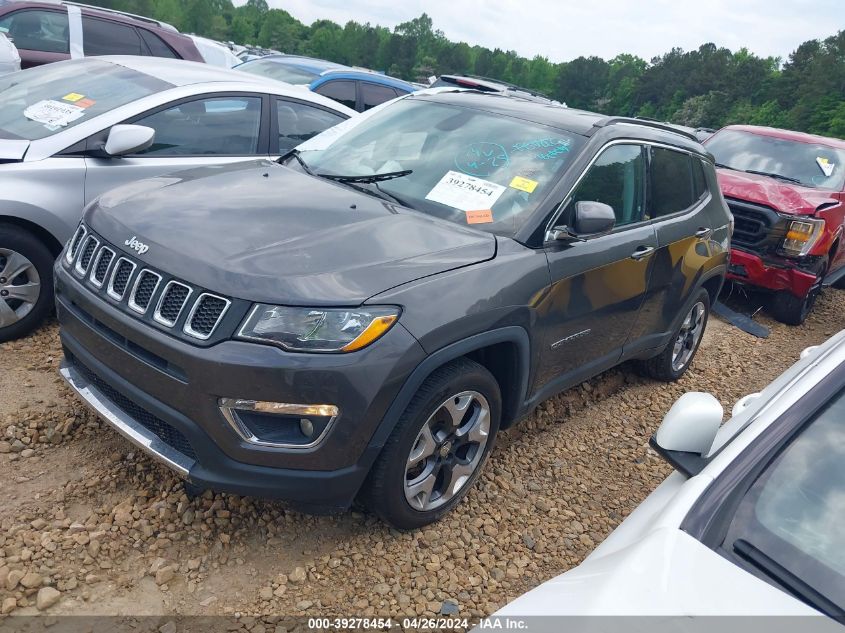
134, 244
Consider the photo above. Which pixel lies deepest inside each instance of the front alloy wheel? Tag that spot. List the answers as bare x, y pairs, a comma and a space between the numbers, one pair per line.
447, 450
26, 281
437, 448
20, 287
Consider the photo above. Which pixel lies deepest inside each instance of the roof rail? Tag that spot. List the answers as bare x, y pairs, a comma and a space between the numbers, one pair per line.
142, 18
666, 127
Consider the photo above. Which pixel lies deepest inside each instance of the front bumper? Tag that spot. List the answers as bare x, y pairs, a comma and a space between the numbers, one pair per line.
163, 395
749, 268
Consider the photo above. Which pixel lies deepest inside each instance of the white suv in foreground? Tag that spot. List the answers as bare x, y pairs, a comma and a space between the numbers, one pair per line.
751, 522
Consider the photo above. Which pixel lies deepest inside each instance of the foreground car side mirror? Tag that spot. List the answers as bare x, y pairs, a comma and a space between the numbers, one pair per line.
592, 219
129, 139
688, 430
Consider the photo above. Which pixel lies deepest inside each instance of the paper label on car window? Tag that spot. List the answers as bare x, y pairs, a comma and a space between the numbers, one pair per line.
53, 113
482, 216
466, 193
826, 166
524, 184
73, 97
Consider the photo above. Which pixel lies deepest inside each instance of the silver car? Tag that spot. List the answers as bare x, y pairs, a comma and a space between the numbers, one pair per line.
72, 130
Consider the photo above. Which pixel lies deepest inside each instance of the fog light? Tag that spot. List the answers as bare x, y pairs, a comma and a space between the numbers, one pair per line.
278, 424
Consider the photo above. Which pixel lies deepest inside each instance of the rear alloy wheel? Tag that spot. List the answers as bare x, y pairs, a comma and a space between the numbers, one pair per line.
26, 281
438, 447
677, 356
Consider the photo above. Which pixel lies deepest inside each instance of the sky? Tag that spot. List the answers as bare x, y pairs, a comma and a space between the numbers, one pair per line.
564, 29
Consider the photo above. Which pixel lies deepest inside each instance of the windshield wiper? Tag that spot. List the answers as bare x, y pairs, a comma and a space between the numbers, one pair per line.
372, 178
772, 174
294, 153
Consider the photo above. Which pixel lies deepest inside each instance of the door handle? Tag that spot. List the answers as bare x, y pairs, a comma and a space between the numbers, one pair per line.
642, 252
704, 233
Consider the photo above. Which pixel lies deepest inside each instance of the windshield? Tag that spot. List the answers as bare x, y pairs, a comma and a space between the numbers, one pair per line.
464, 165
279, 71
42, 101
811, 164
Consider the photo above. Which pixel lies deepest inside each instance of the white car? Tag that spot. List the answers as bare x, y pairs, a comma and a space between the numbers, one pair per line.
215, 53
750, 524
10, 60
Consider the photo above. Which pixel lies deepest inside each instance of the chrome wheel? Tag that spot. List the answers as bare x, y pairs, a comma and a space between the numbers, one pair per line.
20, 287
447, 451
689, 336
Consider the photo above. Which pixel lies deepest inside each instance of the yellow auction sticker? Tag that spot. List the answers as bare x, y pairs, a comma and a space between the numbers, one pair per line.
73, 97
524, 184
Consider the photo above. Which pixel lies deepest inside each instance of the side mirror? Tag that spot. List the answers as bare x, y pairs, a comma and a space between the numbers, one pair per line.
129, 139
591, 220
688, 430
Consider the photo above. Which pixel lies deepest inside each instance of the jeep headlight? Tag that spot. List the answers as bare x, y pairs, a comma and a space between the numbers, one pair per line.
802, 236
317, 329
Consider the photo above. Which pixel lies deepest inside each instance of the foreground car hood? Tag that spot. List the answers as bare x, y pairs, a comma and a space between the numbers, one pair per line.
12, 150
263, 232
667, 574
781, 196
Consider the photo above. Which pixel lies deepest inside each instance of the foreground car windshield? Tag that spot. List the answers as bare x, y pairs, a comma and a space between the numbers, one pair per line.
42, 101
465, 165
811, 164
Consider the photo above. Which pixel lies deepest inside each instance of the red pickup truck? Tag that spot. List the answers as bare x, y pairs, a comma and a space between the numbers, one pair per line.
786, 191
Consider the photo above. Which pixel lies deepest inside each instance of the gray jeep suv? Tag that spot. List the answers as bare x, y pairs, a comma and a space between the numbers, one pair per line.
359, 319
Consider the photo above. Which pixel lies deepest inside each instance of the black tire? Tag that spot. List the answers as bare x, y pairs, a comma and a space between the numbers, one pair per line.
662, 367
384, 490
19, 240
792, 310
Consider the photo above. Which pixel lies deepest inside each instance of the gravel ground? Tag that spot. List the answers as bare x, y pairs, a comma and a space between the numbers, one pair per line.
89, 525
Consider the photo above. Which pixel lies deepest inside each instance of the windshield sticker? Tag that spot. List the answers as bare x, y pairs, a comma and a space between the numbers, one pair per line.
482, 159
53, 114
826, 166
484, 216
465, 193
73, 97
524, 184
85, 103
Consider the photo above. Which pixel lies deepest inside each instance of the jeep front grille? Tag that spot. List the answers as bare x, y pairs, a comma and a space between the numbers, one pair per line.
205, 315
101, 266
145, 286
88, 248
173, 299
75, 241
120, 278
190, 312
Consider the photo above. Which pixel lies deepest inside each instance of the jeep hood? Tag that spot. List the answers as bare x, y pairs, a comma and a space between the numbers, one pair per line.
781, 196
263, 232
12, 151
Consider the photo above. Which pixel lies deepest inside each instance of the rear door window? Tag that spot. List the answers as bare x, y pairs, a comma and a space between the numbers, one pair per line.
340, 90
671, 182
102, 37
375, 94
297, 122
33, 30
217, 126
158, 47
699, 181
